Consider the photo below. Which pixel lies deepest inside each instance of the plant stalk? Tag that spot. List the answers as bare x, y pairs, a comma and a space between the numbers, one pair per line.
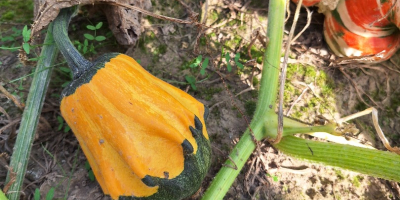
75, 60
31, 115
265, 108
382, 164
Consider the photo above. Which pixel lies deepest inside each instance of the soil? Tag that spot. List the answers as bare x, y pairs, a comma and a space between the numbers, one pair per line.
316, 86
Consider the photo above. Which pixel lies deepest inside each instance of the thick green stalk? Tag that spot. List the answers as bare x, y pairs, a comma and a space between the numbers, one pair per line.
265, 108
75, 60
30, 117
382, 164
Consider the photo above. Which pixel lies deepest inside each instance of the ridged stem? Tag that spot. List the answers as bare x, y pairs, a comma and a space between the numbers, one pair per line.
75, 60
30, 117
265, 111
373, 162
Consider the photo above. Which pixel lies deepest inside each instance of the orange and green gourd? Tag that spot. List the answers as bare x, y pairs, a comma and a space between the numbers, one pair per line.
364, 30
144, 138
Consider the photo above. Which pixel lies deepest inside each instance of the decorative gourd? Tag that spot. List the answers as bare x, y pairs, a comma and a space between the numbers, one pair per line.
362, 28
367, 30
144, 138
307, 2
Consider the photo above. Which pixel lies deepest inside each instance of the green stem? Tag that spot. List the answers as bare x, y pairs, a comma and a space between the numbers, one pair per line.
75, 60
31, 115
271, 62
265, 110
329, 128
373, 162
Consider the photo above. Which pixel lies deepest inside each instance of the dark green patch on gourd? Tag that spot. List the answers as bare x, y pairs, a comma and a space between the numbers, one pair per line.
195, 169
88, 74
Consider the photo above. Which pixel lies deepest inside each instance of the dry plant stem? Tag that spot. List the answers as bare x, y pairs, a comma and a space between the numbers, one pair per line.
30, 117
309, 15
296, 101
154, 15
378, 129
357, 90
12, 97
283, 74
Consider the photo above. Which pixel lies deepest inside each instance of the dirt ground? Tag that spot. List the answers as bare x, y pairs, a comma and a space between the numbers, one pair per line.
316, 86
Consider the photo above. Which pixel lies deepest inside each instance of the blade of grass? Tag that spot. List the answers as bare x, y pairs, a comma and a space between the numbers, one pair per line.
265, 108
30, 117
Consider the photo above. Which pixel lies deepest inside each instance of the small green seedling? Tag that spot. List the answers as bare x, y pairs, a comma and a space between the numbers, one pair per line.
192, 81
275, 178
49, 195
238, 64
197, 63
62, 124
90, 171
26, 35
227, 59
236, 59
86, 47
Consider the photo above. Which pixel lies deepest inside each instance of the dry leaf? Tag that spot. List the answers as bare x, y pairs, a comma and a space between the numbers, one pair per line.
124, 23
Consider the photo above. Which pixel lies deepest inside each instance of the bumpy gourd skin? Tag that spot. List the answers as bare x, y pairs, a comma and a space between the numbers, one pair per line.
144, 138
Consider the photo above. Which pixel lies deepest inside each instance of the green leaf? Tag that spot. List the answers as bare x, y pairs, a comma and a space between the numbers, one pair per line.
35, 59
60, 121
98, 25
87, 166
3, 196
204, 66
26, 47
7, 39
66, 128
192, 81
50, 194
26, 33
197, 61
100, 38
90, 27
91, 175
20, 86
228, 65
238, 64
65, 84
36, 196
65, 69
88, 36
85, 46
237, 57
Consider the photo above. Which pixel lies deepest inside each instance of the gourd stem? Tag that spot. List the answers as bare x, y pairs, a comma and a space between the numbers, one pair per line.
75, 60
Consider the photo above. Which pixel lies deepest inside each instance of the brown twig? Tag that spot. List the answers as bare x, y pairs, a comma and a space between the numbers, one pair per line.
163, 17
13, 176
358, 90
12, 97
12, 123
233, 167
297, 100
283, 75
